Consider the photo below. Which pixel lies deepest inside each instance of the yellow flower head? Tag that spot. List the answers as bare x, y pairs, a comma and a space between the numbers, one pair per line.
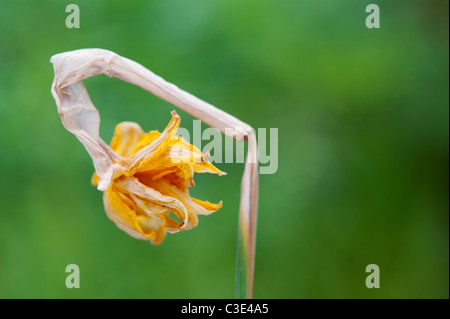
152, 180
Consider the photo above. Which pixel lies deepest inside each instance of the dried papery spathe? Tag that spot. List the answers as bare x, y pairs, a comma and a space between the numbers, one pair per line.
80, 117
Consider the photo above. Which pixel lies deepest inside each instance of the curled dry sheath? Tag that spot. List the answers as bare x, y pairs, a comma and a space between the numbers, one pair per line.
80, 117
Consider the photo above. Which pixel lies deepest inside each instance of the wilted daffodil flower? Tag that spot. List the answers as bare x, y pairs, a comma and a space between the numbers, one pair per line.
152, 180
145, 177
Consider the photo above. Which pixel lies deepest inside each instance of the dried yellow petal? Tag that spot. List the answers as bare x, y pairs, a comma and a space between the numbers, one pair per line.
152, 179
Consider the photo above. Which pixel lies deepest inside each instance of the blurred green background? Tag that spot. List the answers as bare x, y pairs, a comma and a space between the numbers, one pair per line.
363, 147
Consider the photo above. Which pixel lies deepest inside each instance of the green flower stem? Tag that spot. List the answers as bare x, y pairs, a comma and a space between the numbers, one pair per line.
242, 265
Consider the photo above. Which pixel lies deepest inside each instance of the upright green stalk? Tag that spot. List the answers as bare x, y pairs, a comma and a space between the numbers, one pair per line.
242, 266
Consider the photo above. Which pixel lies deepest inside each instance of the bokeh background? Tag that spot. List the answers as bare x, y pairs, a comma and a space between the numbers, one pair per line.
363, 147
